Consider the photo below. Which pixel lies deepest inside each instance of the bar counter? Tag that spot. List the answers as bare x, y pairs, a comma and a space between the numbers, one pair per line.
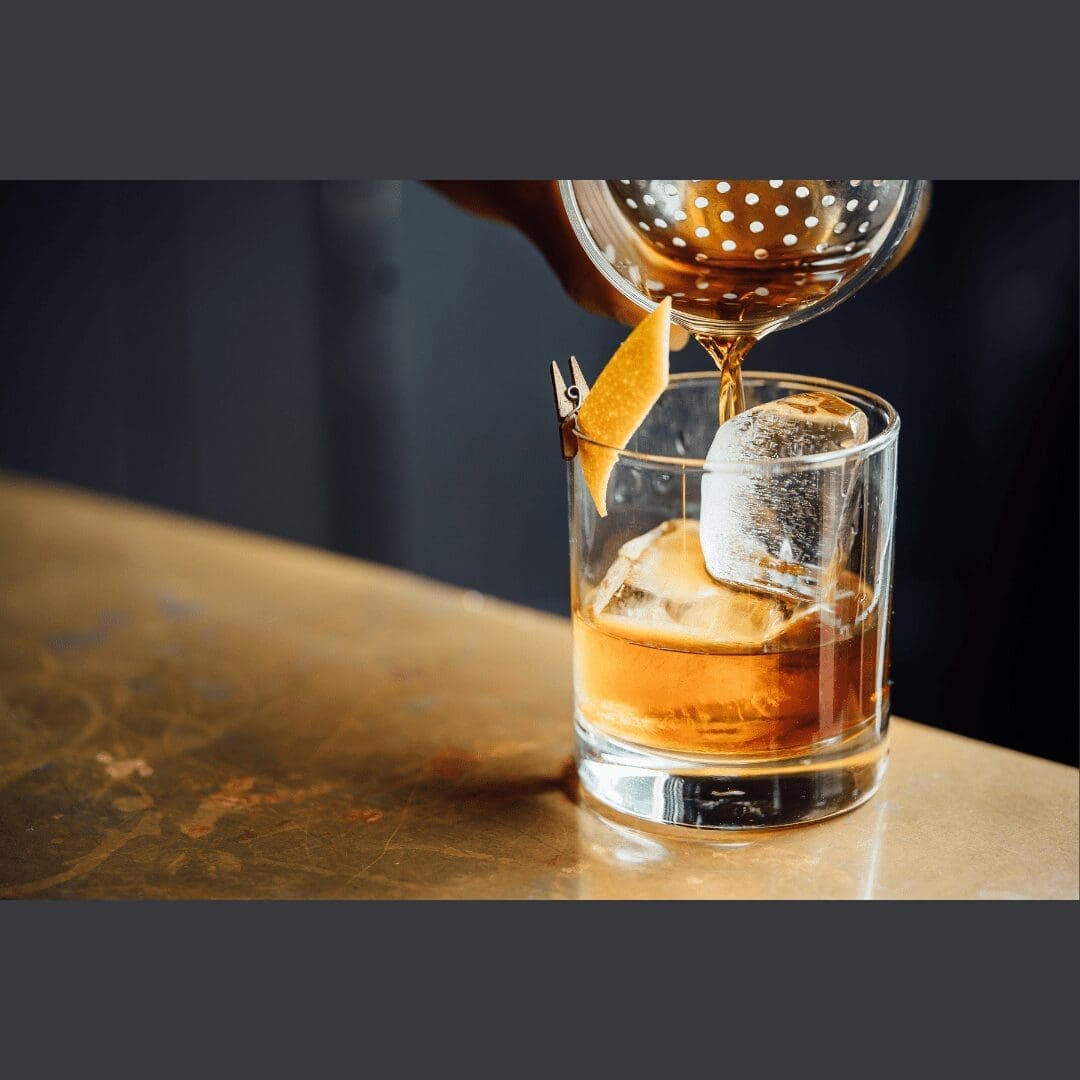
193, 711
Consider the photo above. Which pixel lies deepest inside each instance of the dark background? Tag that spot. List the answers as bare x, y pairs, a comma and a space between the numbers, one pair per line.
363, 367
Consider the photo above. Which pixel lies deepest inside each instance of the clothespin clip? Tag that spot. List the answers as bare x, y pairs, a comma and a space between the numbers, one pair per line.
568, 399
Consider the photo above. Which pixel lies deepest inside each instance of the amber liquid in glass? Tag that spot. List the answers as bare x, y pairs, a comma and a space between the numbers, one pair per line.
668, 659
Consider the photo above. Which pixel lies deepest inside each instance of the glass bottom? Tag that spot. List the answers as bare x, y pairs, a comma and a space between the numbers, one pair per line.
725, 793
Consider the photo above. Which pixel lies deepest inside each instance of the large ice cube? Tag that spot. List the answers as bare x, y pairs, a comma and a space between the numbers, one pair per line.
787, 531
658, 591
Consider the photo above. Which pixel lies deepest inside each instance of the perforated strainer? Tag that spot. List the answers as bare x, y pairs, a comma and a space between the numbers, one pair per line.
740, 258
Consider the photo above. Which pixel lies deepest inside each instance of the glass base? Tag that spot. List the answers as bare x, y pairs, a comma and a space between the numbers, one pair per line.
726, 793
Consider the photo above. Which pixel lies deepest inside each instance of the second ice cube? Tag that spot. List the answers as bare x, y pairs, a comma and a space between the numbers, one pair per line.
776, 527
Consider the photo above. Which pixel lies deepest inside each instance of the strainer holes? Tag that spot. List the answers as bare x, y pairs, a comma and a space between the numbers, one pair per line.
649, 200
776, 183
790, 239
701, 202
728, 245
854, 183
810, 222
864, 226
632, 204
751, 199
726, 216
680, 215
701, 257
781, 210
761, 291
756, 227
723, 187
660, 223
828, 200
678, 241
802, 191
701, 232
643, 226
872, 205
852, 204
731, 296
701, 283
839, 227
819, 248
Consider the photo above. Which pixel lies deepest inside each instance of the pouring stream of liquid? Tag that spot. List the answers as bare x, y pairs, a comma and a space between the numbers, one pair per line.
728, 355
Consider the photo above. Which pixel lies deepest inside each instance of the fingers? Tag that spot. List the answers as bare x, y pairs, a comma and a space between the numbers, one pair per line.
600, 296
535, 207
549, 228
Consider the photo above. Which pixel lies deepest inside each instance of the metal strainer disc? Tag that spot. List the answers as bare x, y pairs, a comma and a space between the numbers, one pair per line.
741, 256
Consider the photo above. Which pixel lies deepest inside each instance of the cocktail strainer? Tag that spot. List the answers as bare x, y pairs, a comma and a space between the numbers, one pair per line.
740, 258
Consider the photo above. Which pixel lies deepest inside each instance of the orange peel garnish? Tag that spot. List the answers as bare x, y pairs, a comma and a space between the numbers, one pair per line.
621, 398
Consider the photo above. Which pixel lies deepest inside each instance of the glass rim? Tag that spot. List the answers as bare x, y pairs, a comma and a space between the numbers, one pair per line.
884, 438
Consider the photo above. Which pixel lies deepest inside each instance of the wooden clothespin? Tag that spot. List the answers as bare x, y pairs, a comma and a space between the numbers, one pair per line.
568, 399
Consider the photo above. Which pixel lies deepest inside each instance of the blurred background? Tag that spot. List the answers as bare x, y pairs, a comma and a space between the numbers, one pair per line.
363, 366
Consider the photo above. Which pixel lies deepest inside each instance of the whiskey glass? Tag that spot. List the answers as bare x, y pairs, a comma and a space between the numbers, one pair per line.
706, 703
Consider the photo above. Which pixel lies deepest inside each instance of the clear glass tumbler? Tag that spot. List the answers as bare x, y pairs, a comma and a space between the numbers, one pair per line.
705, 703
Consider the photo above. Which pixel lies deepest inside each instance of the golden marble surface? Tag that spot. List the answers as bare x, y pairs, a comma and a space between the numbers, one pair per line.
190, 711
